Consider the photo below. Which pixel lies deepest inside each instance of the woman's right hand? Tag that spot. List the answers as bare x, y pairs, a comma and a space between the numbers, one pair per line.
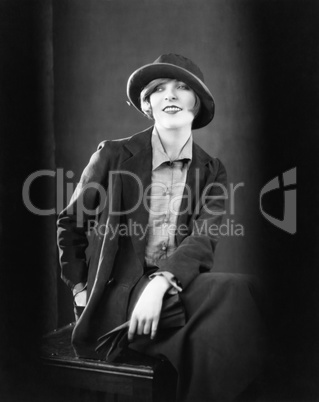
146, 313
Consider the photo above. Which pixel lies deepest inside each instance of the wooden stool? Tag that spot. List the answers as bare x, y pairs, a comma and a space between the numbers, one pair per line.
131, 377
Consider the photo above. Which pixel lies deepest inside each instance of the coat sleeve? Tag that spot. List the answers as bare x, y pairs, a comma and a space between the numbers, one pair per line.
195, 254
74, 221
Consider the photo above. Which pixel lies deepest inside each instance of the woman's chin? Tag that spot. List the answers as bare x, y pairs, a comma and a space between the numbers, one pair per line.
174, 123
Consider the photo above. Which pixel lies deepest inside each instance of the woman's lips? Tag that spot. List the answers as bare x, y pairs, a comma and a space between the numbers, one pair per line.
172, 109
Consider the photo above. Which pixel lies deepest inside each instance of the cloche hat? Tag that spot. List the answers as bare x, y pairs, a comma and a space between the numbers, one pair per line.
176, 67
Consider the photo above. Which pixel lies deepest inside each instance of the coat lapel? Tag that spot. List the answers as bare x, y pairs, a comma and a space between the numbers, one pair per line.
136, 173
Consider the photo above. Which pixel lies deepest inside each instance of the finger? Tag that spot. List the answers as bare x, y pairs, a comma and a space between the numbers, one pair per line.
147, 327
132, 328
154, 329
140, 327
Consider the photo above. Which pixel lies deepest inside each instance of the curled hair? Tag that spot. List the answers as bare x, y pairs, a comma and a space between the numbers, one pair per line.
150, 88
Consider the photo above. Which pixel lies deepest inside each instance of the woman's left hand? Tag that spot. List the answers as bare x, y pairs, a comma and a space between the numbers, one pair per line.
146, 314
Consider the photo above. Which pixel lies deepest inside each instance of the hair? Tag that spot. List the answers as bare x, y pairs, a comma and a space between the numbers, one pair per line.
150, 88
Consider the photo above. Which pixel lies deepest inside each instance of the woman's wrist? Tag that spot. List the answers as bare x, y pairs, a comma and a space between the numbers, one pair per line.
79, 287
161, 283
80, 294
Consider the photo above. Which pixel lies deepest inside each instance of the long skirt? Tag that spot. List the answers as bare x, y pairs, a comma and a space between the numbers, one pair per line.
221, 349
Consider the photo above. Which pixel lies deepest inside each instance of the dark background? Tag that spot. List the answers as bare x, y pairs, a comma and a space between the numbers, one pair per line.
64, 67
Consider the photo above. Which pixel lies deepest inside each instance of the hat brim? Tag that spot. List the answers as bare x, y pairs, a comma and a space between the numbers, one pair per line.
144, 75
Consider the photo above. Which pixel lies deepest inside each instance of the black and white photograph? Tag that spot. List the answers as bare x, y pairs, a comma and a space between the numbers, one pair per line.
159, 201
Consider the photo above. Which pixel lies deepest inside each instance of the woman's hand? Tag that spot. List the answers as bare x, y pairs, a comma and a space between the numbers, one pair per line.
146, 314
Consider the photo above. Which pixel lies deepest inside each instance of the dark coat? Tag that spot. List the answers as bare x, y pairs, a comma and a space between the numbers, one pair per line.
117, 262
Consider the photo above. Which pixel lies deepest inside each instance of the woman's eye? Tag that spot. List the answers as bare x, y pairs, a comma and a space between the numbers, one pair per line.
183, 86
159, 88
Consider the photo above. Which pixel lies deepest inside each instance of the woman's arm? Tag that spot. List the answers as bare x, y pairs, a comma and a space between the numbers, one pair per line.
195, 254
73, 220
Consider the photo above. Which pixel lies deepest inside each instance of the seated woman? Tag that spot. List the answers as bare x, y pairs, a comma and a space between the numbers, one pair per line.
151, 205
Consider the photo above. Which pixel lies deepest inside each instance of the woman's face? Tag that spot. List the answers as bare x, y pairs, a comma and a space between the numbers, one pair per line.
172, 105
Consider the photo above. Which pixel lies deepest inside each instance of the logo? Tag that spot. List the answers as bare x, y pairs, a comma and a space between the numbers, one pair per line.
289, 180
66, 191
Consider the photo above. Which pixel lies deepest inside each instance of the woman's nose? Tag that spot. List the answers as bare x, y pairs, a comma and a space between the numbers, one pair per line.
170, 94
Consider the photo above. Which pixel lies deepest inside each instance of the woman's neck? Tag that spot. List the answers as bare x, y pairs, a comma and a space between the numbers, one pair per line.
173, 140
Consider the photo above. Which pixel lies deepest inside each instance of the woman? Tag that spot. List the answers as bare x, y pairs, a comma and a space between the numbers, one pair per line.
159, 199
